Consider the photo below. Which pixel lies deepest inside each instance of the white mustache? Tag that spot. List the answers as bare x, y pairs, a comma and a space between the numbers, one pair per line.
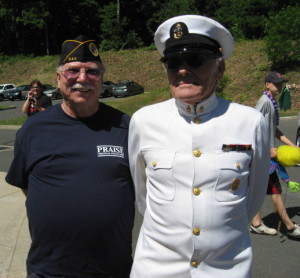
82, 87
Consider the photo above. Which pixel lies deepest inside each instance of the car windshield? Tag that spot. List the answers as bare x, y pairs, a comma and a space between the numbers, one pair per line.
1, 87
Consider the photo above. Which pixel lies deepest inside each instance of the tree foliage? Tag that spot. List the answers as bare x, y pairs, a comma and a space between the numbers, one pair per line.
39, 27
283, 36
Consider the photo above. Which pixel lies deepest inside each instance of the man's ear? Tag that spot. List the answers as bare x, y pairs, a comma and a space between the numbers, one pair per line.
58, 79
221, 69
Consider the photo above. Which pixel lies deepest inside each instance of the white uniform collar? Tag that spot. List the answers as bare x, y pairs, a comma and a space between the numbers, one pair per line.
199, 109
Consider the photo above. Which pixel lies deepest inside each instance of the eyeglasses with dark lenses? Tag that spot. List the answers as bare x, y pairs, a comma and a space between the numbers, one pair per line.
73, 73
193, 61
35, 87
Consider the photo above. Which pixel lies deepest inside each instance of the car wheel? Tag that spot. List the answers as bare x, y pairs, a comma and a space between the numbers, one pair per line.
298, 137
1, 97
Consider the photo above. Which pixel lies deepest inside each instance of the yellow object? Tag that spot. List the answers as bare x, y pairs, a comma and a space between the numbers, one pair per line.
288, 155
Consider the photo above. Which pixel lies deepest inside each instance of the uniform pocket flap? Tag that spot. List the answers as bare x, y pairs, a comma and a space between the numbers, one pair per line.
159, 159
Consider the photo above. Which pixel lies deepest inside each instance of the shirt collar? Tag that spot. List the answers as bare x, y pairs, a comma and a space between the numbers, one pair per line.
199, 109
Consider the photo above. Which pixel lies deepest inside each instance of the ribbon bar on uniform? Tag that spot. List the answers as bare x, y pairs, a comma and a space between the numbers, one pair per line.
236, 147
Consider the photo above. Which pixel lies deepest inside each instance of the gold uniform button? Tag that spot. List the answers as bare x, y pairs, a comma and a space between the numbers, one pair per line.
197, 153
194, 263
196, 121
188, 109
196, 231
196, 191
238, 165
201, 109
154, 163
235, 184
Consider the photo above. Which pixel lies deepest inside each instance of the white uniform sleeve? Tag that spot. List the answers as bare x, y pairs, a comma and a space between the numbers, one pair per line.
137, 164
259, 171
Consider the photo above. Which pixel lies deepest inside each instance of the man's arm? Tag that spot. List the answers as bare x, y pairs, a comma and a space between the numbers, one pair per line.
259, 171
280, 136
137, 165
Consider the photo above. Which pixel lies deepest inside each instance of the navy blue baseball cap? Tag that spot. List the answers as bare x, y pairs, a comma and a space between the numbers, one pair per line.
274, 77
80, 49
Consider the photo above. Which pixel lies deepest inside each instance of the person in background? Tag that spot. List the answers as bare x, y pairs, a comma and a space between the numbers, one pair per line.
36, 100
72, 163
199, 162
268, 106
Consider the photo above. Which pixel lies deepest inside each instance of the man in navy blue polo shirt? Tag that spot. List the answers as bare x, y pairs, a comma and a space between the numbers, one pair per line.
71, 161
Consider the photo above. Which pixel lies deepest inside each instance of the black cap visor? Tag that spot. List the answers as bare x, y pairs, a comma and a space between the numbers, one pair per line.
201, 50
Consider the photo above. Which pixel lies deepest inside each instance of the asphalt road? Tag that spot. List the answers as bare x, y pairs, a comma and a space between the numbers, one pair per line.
274, 256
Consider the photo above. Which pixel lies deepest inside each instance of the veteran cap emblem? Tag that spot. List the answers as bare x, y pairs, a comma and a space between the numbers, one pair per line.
93, 49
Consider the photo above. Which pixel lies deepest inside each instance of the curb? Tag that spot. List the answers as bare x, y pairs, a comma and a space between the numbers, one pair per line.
10, 127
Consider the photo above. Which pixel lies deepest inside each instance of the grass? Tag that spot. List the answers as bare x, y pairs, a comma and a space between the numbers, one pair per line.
3, 107
16, 121
242, 82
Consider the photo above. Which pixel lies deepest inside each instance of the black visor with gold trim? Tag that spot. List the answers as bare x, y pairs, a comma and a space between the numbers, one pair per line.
81, 49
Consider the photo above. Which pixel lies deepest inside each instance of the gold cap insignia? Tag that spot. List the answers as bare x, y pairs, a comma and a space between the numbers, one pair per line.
177, 31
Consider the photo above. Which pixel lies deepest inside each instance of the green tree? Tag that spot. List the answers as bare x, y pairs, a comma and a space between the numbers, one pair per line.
245, 18
283, 36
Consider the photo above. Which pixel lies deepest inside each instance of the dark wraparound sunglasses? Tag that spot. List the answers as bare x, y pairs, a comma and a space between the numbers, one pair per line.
192, 60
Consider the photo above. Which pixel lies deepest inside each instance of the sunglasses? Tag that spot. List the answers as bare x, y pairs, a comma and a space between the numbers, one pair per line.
192, 60
73, 73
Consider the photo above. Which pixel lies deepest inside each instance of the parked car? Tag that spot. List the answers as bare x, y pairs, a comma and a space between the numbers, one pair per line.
107, 89
127, 88
5, 89
298, 132
19, 93
51, 91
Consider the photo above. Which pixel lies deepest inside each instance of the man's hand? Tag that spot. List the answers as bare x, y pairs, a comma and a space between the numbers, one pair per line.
273, 152
293, 186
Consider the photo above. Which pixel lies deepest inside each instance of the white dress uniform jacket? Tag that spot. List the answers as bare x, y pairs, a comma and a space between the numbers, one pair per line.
197, 196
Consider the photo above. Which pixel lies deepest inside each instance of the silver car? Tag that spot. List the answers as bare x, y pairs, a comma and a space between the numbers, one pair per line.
51, 91
5, 89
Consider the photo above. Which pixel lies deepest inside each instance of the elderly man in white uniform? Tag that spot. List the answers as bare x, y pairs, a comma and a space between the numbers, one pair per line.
199, 162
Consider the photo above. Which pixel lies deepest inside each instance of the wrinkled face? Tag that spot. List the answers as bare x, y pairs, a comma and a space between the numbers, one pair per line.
80, 82
193, 78
274, 88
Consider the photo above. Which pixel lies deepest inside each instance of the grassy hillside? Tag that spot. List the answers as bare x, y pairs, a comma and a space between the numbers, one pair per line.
242, 83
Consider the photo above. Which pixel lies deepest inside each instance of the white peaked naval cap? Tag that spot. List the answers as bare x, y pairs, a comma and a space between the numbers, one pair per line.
193, 34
